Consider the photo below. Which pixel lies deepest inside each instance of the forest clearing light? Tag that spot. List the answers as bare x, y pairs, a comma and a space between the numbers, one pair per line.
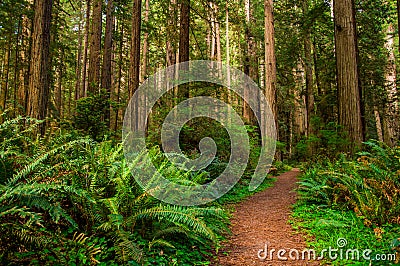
147, 95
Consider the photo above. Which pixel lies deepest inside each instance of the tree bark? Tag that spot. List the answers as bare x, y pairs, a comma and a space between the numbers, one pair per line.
398, 20
250, 65
349, 96
5, 78
228, 61
78, 71
391, 117
378, 123
184, 43
39, 62
212, 30
58, 88
172, 48
24, 70
16, 67
309, 73
270, 60
118, 87
84, 89
95, 47
107, 68
217, 34
143, 73
134, 68
172, 37
134, 64
184, 32
300, 103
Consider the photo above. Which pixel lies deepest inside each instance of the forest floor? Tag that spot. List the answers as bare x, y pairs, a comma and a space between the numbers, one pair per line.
262, 220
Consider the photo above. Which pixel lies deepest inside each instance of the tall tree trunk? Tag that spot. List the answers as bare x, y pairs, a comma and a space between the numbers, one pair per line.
217, 34
398, 20
228, 61
250, 65
39, 62
184, 32
134, 64
134, 68
23, 70
270, 60
58, 89
378, 123
316, 70
348, 87
107, 70
95, 47
208, 41
213, 30
184, 42
171, 48
5, 78
84, 88
78, 72
118, 87
300, 106
16, 66
309, 72
171, 35
391, 117
143, 73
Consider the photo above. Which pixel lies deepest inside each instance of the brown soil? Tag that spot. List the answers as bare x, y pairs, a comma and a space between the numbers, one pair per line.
263, 218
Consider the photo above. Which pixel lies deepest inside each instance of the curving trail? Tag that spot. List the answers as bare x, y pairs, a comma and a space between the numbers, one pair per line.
263, 218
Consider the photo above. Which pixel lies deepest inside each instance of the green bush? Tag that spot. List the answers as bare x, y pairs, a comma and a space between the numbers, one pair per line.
70, 200
324, 226
328, 140
90, 115
369, 185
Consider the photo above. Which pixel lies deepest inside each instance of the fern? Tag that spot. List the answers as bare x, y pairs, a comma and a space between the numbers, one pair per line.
368, 185
179, 216
31, 167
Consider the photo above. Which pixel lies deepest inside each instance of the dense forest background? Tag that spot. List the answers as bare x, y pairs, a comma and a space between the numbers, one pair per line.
68, 69
77, 63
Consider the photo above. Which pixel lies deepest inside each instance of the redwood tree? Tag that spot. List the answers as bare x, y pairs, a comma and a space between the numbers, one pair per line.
39, 83
184, 42
134, 67
95, 46
348, 88
270, 60
106, 70
184, 32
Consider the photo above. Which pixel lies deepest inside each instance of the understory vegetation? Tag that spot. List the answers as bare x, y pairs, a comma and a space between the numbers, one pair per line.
355, 199
66, 199
309, 80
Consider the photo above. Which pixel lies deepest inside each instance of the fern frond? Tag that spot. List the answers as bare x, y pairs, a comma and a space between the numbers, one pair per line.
179, 216
31, 167
160, 242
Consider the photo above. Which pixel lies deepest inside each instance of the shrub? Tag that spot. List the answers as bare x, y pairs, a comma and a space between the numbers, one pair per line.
71, 200
90, 115
369, 185
328, 140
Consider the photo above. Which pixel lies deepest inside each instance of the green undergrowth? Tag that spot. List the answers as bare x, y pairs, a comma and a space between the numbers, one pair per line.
66, 199
324, 227
356, 199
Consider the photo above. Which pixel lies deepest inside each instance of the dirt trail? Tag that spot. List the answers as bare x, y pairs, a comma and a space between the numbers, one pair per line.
263, 218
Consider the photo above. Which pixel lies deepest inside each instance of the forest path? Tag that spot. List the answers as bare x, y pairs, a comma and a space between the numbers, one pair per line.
263, 218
